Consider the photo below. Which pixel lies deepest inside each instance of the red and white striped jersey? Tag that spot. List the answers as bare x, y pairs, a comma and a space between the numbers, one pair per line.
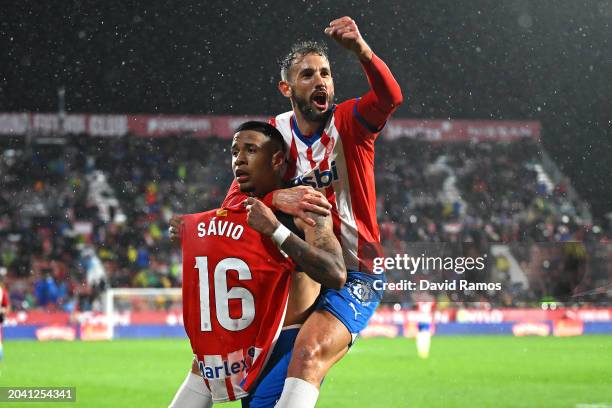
338, 160
235, 289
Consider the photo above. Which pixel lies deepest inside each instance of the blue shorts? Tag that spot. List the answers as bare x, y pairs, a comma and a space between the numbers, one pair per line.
269, 388
355, 303
422, 326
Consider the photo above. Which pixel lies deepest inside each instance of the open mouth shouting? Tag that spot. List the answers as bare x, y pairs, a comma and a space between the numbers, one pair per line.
319, 100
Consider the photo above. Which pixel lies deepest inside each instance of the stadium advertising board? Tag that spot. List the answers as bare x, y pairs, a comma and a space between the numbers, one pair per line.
223, 126
386, 322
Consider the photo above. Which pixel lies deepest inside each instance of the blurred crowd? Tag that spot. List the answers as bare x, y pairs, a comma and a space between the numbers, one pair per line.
80, 214
471, 192
465, 199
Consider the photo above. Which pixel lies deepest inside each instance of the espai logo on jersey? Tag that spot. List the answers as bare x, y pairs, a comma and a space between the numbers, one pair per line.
317, 178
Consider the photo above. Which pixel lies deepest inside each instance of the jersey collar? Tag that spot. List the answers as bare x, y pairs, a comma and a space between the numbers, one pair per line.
309, 141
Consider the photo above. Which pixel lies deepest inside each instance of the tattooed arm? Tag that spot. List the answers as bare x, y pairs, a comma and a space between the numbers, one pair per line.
319, 255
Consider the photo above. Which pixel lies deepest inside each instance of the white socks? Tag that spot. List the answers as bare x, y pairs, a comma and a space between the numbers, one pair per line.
192, 394
298, 393
423, 342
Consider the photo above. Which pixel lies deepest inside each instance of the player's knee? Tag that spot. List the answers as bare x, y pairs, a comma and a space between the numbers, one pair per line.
308, 355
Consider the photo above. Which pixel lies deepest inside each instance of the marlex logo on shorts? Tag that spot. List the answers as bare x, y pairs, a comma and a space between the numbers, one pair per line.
226, 369
222, 371
318, 178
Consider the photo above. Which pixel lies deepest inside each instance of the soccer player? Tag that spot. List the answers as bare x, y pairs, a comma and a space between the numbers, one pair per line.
3, 312
235, 279
426, 308
331, 148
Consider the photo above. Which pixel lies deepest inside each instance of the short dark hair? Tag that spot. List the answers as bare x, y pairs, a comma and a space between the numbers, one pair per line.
266, 129
299, 49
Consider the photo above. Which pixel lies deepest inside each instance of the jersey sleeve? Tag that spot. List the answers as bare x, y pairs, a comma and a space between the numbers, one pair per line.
375, 107
357, 136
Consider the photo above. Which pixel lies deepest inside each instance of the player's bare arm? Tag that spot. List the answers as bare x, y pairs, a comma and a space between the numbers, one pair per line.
320, 255
320, 236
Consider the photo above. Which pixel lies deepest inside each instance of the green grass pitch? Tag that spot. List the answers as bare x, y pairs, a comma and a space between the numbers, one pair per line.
479, 371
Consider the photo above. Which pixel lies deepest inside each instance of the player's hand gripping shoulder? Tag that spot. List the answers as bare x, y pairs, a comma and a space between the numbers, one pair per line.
174, 230
297, 201
345, 31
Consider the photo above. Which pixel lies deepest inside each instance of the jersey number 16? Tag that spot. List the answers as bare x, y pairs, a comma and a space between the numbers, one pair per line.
223, 296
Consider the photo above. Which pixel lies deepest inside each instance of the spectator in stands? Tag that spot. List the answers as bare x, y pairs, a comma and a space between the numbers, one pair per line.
427, 192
